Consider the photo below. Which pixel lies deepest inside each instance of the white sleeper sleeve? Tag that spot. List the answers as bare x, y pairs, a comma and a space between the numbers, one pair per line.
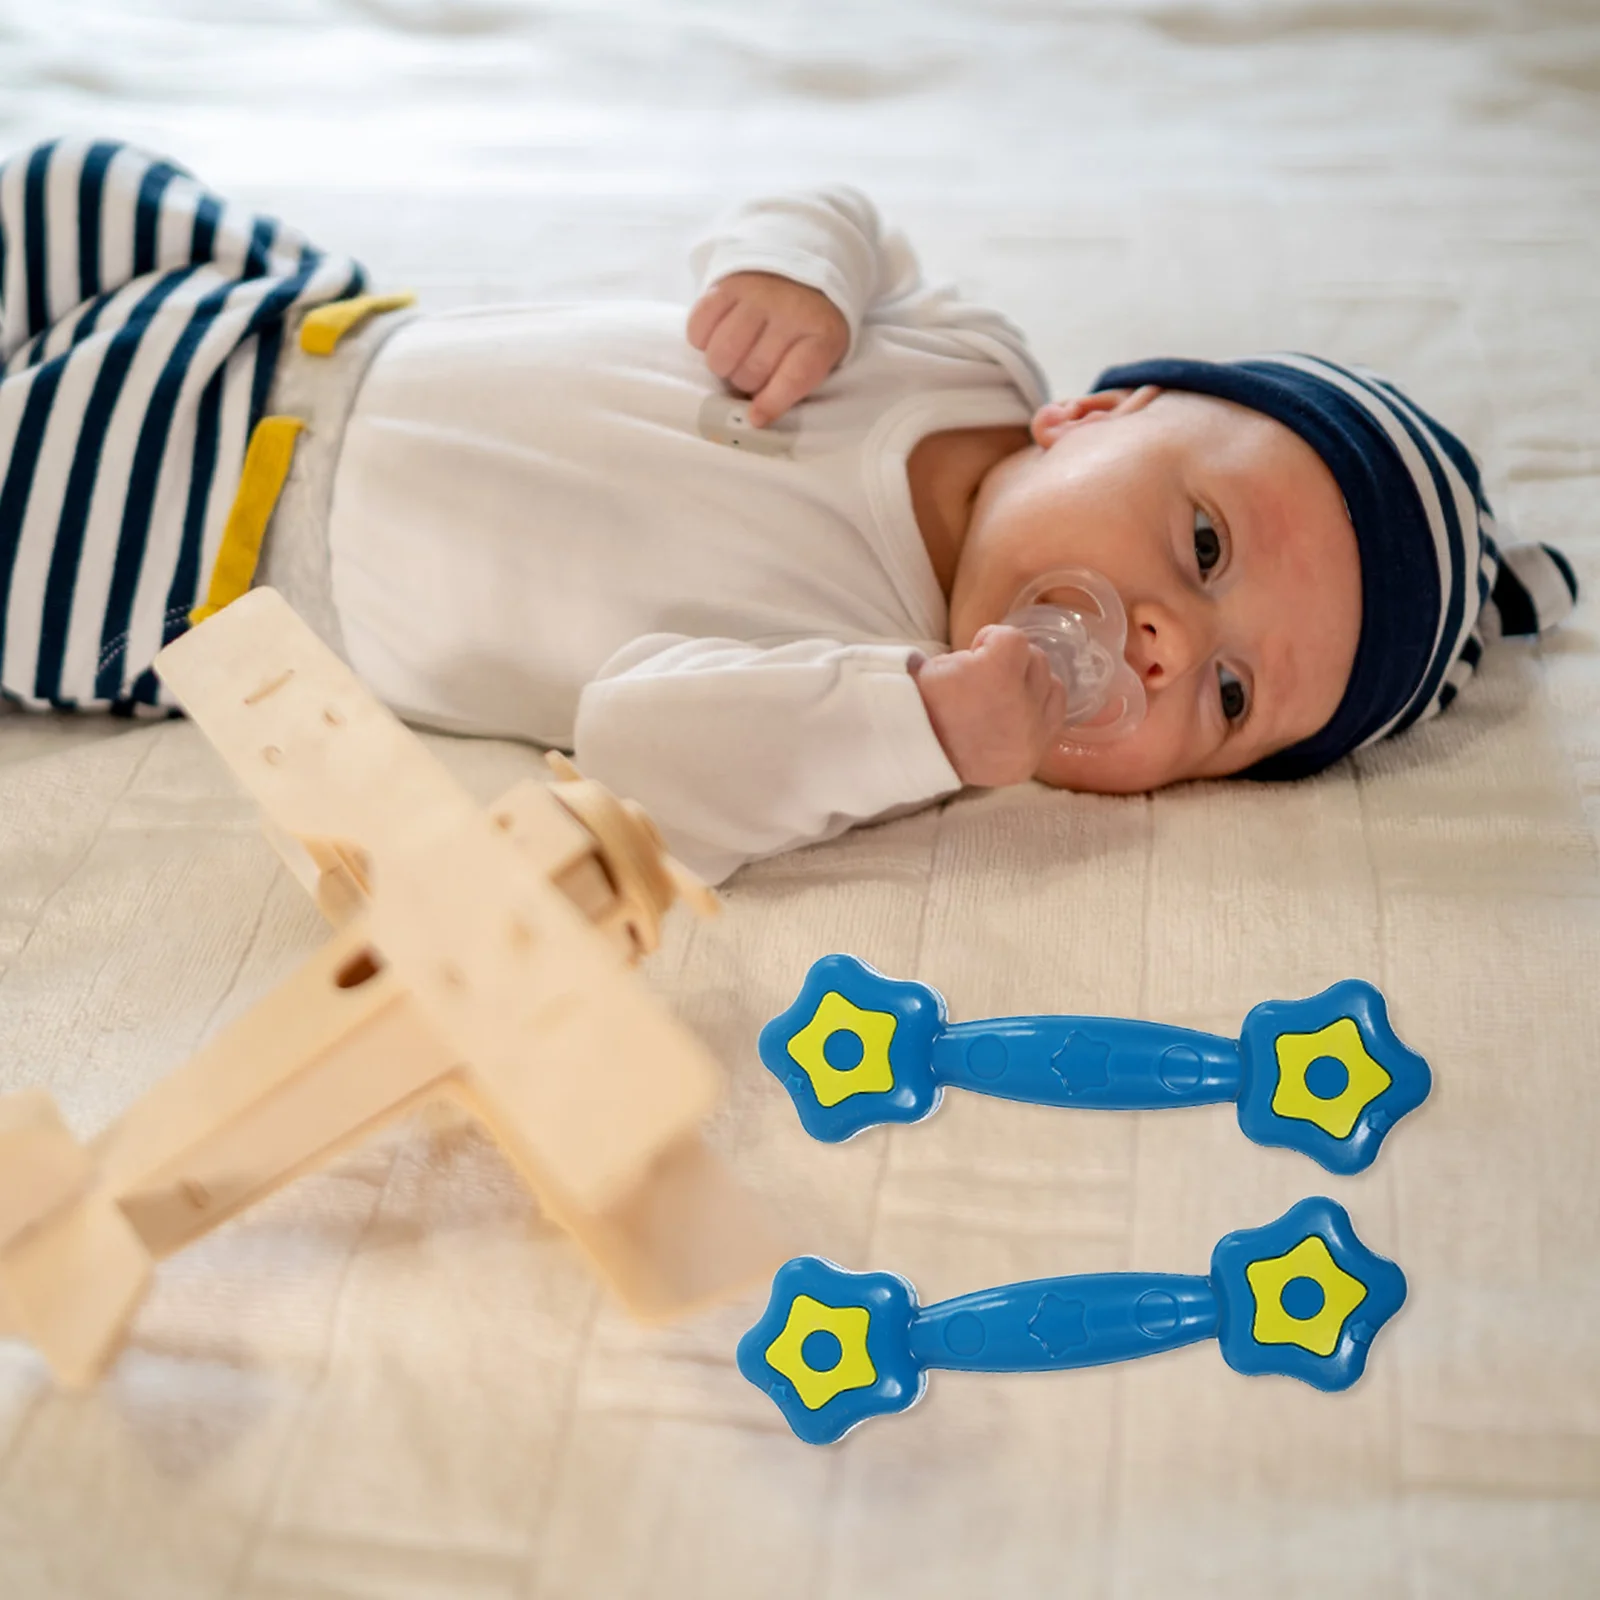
740, 751
833, 240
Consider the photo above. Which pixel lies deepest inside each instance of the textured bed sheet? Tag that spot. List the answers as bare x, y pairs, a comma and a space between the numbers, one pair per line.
394, 1379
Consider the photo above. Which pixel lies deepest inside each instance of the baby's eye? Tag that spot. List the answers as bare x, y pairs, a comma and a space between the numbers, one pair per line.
1207, 541
1235, 699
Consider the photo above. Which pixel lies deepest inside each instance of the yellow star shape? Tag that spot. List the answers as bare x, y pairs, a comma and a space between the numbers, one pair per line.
1366, 1081
848, 1324
1341, 1294
871, 1075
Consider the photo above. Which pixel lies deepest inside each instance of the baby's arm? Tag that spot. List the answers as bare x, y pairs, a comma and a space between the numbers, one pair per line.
834, 244
739, 751
784, 285
996, 708
769, 337
831, 240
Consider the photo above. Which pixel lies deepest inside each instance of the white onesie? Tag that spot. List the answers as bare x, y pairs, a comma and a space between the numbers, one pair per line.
553, 523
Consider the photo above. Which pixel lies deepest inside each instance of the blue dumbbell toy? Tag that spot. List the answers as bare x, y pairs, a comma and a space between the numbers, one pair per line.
1302, 1296
1326, 1076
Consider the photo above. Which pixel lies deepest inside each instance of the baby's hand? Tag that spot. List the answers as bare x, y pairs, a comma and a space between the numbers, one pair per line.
997, 708
770, 337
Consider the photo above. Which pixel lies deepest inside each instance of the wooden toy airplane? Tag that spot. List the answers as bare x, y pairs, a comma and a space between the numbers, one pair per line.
477, 954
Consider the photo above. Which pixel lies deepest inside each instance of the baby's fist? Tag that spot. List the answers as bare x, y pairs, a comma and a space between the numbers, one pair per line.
996, 708
770, 337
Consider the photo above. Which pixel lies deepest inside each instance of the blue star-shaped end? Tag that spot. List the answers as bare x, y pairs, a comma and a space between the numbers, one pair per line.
1303, 1296
1081, 1063
833, 1347
855, 1049
1058, 1326
1327, 1076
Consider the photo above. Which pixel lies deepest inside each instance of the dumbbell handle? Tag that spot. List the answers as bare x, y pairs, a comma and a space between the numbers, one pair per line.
1105, 1062
1050, 1323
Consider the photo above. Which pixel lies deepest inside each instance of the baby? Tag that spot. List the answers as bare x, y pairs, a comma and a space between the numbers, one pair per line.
751, 570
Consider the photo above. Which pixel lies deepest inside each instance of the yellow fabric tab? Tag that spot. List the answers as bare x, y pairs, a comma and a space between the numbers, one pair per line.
266, 465
322, 328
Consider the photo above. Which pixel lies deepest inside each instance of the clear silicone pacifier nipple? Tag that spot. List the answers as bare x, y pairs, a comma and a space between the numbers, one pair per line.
1083, 630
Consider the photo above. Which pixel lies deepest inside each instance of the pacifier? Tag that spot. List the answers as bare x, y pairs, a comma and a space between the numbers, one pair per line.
1082, 631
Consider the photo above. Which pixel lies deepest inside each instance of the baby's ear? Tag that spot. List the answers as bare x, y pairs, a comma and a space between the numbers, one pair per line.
1055, 417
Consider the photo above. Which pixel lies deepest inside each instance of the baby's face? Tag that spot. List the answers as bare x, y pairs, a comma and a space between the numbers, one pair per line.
1228, 540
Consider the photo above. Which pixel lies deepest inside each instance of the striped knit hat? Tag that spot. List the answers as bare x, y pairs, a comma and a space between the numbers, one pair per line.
1434, 584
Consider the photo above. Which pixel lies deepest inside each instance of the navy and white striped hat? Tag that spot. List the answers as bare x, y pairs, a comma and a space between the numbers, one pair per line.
1434, 583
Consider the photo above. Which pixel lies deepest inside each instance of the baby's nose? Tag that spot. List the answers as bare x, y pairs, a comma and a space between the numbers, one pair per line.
1164, 643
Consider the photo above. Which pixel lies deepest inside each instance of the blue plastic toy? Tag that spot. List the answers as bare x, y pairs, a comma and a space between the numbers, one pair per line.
1302, 1296
1326, 1076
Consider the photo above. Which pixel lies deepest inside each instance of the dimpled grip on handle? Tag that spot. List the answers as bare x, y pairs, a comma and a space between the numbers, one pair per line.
1301, 1297
1326, 1076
